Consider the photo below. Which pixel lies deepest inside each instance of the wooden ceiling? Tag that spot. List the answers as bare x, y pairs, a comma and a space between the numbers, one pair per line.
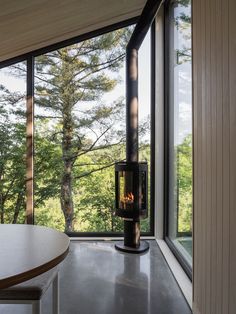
27, 25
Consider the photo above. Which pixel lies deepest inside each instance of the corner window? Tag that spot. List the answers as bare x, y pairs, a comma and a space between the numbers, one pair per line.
13, 144
79, 133
179, 129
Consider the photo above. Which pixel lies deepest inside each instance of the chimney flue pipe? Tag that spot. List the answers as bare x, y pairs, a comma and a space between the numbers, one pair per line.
132, 226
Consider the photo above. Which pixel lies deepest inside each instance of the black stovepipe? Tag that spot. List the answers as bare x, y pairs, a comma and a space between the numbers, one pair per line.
132, 227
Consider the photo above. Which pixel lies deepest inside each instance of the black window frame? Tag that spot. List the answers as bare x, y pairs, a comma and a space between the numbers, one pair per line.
29, 58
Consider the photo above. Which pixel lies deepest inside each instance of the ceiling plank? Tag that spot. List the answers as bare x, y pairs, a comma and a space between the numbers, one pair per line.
28, 25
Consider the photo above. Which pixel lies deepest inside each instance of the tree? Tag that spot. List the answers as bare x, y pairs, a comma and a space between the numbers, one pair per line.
184, 179
12, 156
71, 78
77, 135
95, 201
182, 20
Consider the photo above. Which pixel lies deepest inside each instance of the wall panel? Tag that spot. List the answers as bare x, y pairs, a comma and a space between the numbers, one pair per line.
214, 102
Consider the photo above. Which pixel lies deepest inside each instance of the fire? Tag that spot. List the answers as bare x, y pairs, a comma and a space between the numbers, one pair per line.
128, 199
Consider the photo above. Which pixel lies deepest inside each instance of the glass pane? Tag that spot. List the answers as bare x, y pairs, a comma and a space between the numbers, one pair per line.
144, 93
180, 128
80, 133
143, 190
13, 143
126, 189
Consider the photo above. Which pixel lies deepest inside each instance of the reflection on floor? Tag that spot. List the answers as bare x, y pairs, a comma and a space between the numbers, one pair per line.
97, 279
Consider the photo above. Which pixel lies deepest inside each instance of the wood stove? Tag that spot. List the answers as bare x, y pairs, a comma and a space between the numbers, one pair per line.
131, 180
131, 189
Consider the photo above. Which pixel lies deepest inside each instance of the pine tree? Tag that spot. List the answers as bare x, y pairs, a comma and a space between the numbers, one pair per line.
68, 80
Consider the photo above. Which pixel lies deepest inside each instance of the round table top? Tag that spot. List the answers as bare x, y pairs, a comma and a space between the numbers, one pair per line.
27, 251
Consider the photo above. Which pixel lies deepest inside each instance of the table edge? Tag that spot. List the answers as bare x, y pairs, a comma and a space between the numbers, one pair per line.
19, 278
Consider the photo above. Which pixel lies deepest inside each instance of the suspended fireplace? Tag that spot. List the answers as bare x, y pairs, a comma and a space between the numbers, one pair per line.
131, 189
131, 176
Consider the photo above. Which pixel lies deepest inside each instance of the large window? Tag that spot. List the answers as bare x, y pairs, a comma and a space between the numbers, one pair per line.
13, 144
79, 132
144, 94
179, 129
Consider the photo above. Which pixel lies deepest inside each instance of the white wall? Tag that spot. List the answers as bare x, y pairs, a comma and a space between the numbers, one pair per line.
214, 98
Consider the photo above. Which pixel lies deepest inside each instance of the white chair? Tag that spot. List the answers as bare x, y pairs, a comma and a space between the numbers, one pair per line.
32, 291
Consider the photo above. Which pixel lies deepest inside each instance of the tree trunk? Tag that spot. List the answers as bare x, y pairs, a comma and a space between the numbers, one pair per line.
2, 215
1, 209
67, 204
112, 220
18, 206
66, 198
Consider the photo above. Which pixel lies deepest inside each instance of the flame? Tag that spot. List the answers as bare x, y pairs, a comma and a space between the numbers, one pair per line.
128, 199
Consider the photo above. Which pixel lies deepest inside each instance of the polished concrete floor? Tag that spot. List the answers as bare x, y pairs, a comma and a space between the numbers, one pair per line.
97, 279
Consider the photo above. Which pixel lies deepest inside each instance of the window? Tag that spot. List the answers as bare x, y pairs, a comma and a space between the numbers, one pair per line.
13, 144
144, 94
79, 131
179, 129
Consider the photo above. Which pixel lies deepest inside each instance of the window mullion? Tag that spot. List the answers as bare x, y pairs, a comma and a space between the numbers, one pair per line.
30, 141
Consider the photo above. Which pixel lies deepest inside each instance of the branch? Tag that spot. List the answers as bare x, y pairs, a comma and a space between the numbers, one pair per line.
90, 164
4, 198
53, 136
46, 117
38, 77
95, 170
10, 100
93, 72
109, 62
94, 143
107, 146
96, 46
92, 131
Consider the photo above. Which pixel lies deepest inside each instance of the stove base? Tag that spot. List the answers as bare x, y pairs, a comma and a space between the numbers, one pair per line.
144, 246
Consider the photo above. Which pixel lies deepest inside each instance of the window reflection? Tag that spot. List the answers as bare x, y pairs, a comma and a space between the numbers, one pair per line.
180, 128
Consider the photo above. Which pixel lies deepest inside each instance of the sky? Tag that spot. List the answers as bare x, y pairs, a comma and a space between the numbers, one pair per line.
182, 92
19, 84
182, 75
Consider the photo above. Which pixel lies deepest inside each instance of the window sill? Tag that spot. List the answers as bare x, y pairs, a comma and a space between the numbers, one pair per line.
182, 279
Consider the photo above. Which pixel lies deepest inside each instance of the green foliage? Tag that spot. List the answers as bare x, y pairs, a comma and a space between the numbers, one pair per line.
47, 165
95, 205
75, 129
94, 196
49, 214
12, 157
184, 181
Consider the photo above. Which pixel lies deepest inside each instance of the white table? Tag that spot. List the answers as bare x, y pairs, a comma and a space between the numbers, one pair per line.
27, 251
